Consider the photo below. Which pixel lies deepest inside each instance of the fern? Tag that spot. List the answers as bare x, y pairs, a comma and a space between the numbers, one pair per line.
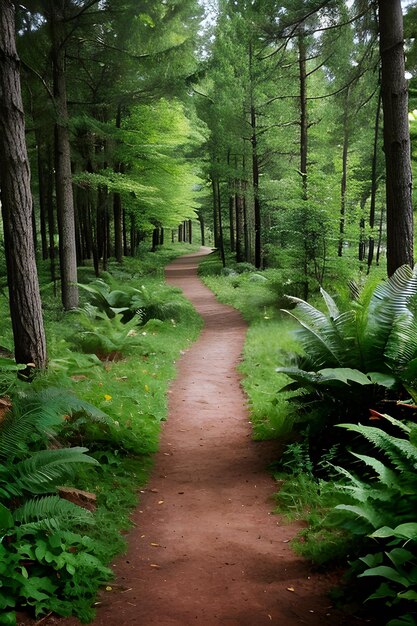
402, 453
377, 338
38, 414
47, 468
50, 513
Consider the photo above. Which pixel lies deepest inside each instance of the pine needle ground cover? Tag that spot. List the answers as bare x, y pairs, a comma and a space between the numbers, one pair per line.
97, 419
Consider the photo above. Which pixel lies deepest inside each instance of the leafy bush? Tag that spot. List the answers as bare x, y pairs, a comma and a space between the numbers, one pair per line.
380, 507
45, 555
355, 359
106, 337
155, 301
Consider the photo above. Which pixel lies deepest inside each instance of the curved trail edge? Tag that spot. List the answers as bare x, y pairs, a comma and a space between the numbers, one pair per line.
205, 548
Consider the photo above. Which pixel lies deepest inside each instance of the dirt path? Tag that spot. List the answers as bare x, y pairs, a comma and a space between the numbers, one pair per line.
205, 548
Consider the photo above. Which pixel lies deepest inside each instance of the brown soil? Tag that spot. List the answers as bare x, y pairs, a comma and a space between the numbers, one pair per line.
205, 548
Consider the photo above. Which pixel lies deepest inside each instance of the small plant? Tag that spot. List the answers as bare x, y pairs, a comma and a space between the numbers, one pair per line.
379, 509
109, 338
41, 553
356, 359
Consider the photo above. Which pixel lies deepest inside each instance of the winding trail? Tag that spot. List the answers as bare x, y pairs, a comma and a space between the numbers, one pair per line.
205, 548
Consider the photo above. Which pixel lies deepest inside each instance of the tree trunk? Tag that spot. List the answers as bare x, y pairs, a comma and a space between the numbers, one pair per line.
155, 239
117, 204
124, 226
16, 200
396, 136
343, 184
43, 193
240, 234
374, 183
64, 192
190, 231
216, 211
232, 211
203, 238
303, 113
255, 168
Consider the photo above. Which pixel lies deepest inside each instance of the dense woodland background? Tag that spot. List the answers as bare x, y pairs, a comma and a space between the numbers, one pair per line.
263, 121
282, 135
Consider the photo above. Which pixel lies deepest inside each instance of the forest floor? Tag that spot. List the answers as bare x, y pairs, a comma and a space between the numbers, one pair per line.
205, 547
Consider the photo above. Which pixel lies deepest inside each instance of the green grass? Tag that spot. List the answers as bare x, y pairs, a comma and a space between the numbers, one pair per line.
269, 342
265, 344
132, 391
259, 296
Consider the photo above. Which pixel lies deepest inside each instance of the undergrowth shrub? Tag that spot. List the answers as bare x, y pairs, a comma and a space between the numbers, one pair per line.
45, 553
54, 554
379, 507
355, 360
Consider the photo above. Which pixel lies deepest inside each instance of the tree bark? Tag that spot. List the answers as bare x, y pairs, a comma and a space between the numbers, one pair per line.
303, 113
374, 183
343, 184
255, 168
64, 192
117, 204
203, 238
216, 211
396, 136
16, 200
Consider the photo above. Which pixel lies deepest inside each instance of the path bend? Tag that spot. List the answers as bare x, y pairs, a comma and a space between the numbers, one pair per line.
205, 548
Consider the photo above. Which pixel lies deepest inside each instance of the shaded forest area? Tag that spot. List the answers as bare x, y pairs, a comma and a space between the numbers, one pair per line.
280, 134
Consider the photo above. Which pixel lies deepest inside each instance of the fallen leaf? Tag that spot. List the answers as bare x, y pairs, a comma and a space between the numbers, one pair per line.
109, 588
155, 566
156, 545
290, 589
161, 502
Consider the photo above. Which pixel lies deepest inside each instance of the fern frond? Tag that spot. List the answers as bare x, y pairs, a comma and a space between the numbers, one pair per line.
402, 342
386, 475
50, 513
330, 303
318, 342
45, 469
40, 412
365, 512
402, 453
389, 301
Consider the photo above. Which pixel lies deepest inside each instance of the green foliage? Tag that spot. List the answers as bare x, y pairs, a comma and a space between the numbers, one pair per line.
354, 359
39, 556
155, 301
379, 506
106, 337
55, 552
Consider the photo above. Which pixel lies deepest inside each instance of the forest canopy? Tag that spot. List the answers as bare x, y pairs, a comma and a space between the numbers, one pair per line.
283, 129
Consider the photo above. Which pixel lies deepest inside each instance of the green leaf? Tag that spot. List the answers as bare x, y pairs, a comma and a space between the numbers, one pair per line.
6, 518
404, 531
383, 380
408, 595
8, 618
404, 620
345, 375
399, 556
386, 572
